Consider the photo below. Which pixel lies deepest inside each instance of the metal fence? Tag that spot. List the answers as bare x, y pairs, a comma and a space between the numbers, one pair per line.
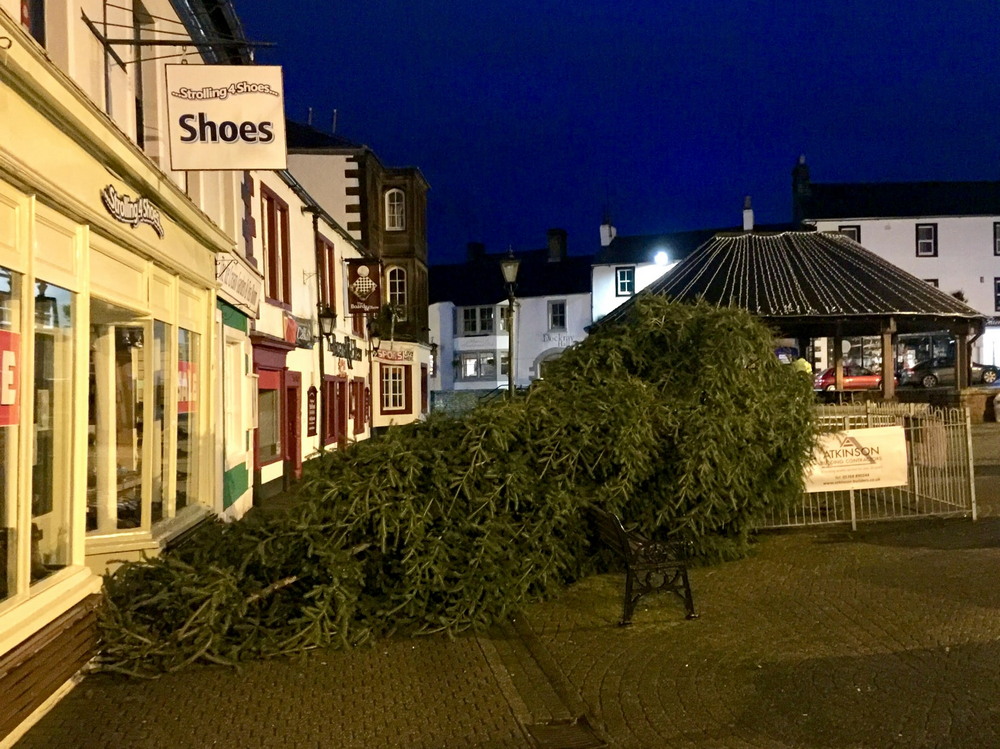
939, 468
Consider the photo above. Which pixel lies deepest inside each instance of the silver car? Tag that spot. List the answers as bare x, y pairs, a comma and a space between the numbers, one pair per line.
933, 372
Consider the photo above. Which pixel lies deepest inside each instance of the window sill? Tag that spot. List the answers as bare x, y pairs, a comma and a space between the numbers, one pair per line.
185, 520
278, 303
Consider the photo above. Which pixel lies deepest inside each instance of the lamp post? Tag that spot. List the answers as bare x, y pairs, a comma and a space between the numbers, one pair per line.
509, 266
374, 341
326, 318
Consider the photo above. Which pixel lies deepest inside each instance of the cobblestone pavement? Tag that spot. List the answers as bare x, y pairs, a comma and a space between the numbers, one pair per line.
886, 637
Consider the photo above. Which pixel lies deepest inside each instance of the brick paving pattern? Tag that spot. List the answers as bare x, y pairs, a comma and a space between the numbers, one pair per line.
888, 637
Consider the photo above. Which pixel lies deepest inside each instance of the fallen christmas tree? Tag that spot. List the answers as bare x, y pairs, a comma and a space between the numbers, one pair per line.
679, 417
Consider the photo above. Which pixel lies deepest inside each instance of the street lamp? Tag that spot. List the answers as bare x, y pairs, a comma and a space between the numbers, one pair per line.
509, 266
327, 318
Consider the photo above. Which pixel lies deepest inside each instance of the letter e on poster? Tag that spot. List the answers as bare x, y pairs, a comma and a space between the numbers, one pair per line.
10, 346
858, 459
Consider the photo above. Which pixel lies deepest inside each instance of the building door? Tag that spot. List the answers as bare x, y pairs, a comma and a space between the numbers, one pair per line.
293, 426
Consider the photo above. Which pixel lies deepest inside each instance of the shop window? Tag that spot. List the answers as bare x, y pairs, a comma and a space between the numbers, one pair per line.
10, 385
395, 381
116, 425
159, 434
52, 451
395, 210
188, 444
268, 423
277, 259
397, 291
625, 281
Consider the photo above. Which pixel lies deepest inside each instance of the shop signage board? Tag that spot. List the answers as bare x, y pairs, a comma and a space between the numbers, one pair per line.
386, 355
363, 283
226, 117
9, 375
858, 459
131, 211
238, 284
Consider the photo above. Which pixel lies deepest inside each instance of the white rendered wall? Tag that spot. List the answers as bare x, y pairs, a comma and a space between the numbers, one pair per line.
604, 284
441, 320
535, 341
324, 177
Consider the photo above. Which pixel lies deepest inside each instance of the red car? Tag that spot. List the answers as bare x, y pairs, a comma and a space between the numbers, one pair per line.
855, 378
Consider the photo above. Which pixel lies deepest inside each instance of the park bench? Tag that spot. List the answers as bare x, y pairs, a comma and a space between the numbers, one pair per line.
649, 565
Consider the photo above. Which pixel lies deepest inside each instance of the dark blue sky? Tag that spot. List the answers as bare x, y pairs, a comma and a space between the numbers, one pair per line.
530, 115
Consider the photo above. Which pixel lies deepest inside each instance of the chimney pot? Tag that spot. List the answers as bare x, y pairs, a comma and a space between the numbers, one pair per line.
747, 214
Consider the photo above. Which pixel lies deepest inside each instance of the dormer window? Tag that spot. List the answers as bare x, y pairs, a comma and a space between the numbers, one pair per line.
395, 211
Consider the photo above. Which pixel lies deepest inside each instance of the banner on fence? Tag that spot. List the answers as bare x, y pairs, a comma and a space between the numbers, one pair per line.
858, 459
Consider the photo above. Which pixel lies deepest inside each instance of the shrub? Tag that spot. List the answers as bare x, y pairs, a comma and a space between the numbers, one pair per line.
679, 417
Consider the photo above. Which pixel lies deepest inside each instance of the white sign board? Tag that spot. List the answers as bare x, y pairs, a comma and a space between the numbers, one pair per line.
225, 117
858, 459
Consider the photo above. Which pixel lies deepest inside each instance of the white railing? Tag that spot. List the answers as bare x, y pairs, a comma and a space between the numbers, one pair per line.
939, 468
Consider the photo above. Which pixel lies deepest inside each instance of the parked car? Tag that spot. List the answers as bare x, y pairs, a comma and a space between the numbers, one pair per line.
941, 371
855, 378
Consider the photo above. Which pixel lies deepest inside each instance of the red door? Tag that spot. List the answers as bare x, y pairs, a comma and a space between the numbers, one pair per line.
293, 425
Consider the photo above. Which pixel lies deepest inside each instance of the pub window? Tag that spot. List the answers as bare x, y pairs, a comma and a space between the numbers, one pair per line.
327, 273
33, 19
477, 320
557, 315
396, 278
274, 234
268, 422
395, 210
927, 240
395, 380
478, 365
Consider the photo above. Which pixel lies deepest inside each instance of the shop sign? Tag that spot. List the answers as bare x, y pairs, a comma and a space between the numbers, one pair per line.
131, 211
238, 284
858, 459
10, 346
363, 284
394, 355
303, 332
311, 412
225, 117
347, 349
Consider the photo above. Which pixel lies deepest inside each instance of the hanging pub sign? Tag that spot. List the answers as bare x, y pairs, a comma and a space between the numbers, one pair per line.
9, 347
364, 288
225, 117
131, 211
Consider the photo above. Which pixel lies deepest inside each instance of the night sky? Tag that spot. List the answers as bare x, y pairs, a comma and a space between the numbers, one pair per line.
525, 116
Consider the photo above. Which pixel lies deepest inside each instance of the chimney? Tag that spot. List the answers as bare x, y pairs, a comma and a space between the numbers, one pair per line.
557, 245
608, 232
800, 190
747, 214
475, 251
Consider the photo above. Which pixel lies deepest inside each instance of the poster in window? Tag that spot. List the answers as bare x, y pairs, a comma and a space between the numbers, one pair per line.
364, 293
223, 117
9, 400
185, 387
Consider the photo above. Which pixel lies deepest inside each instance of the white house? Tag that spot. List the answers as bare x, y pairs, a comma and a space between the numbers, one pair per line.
946, 233
468, 319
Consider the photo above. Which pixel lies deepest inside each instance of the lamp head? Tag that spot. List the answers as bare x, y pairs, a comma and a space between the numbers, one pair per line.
509, 266
327, 318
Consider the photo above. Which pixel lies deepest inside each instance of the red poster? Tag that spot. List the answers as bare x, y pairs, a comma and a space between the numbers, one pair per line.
185, 387
10, 351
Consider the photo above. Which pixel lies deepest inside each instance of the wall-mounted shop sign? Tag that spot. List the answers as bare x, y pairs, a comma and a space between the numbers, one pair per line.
238, 284
9, 402
303, 332
858, 459
131, 211
393, 355
347, 349
311, 412
363, 283
225, 117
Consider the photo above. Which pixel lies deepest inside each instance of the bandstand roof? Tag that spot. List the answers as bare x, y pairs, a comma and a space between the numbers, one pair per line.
810, 284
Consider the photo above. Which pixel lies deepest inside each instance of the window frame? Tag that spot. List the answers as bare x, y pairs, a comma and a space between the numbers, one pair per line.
996, 293
628, 284
395, 210
478, 356
996, 237
553, 305
479, 329
933, 240
402, 402
276, 251
933, 282
396, 292
326, 258
853, 231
